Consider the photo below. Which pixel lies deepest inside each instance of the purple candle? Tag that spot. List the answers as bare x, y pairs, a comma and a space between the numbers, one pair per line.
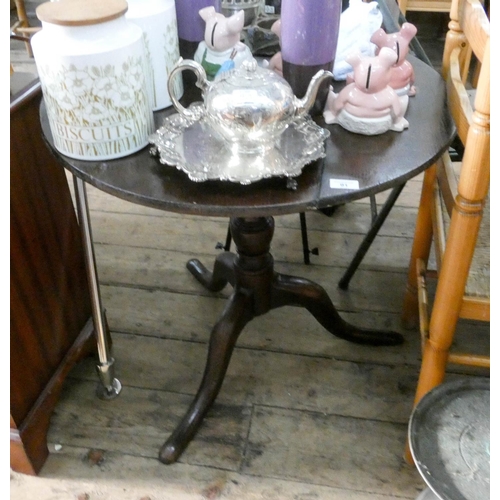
309, 35
190, 25
309, 31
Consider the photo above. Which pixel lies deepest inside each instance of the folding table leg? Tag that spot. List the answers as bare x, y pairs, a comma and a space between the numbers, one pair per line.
305, 241
110, 386
370, 236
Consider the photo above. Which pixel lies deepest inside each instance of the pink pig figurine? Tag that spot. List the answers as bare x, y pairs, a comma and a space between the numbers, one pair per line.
276, 62
368, 105
222, 41
402, 75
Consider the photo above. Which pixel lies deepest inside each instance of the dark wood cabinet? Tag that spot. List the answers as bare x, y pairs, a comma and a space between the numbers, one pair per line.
50, 307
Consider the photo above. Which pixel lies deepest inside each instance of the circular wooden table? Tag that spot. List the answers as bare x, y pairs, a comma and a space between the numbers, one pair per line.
376, 162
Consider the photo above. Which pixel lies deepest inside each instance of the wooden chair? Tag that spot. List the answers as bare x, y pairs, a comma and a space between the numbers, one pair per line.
22, 26
424, 5
454, 210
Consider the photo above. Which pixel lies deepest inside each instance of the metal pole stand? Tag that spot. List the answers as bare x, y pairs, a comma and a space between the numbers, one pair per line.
110, 386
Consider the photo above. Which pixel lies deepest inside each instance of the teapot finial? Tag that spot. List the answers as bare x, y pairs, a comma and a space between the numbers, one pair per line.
302, 106
250, 65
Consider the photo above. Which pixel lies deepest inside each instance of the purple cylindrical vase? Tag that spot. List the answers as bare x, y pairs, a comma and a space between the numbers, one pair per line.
309, 35
190, 25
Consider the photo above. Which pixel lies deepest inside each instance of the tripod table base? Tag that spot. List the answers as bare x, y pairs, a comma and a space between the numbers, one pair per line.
257, 290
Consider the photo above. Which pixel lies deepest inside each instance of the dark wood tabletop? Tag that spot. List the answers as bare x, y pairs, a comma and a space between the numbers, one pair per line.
377, 162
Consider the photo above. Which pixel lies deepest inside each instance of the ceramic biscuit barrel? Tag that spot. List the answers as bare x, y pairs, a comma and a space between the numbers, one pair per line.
93, 69
158, 21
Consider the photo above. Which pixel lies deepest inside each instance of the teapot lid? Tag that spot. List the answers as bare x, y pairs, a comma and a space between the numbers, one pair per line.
81, 12
250, 75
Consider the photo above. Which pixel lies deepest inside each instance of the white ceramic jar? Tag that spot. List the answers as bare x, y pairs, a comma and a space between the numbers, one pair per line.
92, 66
158, 21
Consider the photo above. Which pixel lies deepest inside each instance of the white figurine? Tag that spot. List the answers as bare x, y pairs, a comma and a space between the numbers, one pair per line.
357, 24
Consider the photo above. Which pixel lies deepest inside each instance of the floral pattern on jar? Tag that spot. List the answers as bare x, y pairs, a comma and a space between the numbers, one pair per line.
172, 56
97, 112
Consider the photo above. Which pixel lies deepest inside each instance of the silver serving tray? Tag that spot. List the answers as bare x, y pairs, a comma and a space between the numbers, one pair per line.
449, 434
191, 145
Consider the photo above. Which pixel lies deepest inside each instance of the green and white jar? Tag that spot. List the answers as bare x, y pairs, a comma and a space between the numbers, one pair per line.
158, 21
92, 66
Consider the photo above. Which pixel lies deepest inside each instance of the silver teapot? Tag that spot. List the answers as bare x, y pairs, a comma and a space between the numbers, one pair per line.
249, 106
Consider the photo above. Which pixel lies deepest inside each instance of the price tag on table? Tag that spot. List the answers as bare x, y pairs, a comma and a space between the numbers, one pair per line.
344, 184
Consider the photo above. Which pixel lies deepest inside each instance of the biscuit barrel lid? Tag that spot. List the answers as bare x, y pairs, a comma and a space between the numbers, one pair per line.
81, 12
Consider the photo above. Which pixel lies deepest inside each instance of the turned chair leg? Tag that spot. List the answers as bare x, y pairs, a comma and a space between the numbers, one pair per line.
421, 249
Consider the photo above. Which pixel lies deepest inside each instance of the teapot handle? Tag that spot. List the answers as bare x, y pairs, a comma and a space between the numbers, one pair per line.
201, 82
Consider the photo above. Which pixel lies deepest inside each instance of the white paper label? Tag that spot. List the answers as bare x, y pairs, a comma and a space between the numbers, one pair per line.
344, 184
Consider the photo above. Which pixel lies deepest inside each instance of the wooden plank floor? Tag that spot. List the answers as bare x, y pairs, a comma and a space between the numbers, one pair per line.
301, 414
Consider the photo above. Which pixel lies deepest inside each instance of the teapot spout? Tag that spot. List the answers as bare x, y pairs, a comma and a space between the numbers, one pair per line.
302, 106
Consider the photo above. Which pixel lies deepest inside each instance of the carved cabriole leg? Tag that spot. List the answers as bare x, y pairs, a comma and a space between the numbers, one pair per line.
222, 274
222, 339
250, 272
289, 290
